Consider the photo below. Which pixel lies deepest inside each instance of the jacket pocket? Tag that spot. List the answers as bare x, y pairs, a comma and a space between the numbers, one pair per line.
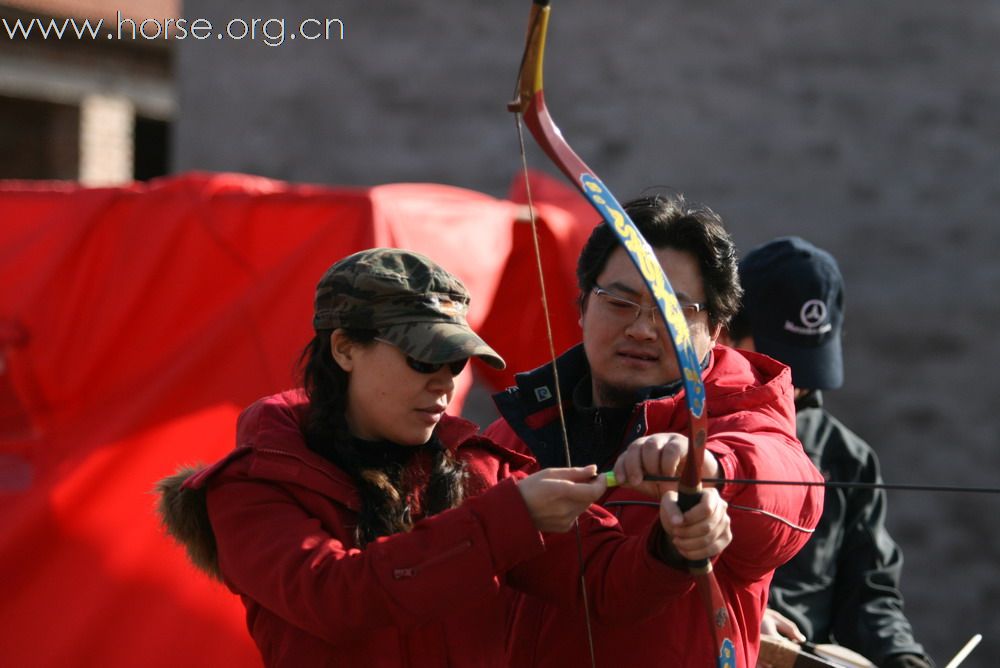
413, 571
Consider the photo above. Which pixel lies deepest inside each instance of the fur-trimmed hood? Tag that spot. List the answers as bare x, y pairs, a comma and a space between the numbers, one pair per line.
270, 449
183, 510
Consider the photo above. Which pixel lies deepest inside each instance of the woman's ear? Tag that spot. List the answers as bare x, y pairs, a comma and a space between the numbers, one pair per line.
342, 348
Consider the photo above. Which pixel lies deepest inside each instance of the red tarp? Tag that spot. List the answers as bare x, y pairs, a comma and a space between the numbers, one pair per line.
136, 322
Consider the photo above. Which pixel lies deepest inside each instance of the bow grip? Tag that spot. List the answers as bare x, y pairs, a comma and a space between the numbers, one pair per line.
688, 498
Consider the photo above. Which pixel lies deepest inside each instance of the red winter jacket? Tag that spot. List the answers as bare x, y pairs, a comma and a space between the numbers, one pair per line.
283, 519
751, 427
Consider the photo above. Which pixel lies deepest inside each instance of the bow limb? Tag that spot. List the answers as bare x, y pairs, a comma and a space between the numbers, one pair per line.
530, 104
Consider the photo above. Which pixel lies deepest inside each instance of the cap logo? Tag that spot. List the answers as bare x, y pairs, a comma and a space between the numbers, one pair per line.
813, 316
448, 307
813, 313
542, 393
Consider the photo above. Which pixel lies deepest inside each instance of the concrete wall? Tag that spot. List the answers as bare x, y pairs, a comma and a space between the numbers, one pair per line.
870, 128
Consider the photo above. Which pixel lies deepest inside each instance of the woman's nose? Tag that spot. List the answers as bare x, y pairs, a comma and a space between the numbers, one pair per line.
442, 380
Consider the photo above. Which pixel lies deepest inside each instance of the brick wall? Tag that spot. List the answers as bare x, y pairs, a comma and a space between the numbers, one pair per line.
869, 128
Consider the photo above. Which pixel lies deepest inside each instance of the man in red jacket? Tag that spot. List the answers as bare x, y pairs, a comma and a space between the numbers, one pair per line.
622, 386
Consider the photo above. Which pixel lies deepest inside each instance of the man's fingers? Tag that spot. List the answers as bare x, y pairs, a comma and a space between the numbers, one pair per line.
656, 454
670, 513
703, 531
707, 513
632, 462
651, 457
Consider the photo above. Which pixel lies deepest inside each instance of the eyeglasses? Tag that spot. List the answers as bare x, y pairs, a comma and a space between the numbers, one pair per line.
429, 367
628, 310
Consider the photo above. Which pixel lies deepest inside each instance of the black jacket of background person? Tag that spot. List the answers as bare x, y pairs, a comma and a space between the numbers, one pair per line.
844, 584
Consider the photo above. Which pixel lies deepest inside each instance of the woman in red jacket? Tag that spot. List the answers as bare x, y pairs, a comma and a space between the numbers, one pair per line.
361, 525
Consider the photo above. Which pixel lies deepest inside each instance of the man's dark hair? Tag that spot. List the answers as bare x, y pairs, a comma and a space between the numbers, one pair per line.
739, 326
668, 221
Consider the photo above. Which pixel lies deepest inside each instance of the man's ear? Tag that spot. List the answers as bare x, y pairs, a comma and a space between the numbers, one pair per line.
723, 338
715, 333
342, 348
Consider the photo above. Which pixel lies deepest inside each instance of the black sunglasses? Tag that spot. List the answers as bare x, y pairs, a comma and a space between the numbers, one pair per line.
430, 367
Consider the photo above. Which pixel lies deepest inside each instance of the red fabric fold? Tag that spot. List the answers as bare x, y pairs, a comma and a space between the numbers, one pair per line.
135, 322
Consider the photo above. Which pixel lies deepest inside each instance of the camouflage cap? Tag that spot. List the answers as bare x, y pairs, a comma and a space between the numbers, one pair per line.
408, 299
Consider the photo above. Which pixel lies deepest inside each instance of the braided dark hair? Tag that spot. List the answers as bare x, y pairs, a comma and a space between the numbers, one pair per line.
387, 482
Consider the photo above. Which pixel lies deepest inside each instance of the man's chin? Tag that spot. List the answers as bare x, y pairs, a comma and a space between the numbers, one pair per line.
624, 391
617, 394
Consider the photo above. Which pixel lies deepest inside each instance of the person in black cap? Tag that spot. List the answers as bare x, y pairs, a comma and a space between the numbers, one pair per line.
843, 586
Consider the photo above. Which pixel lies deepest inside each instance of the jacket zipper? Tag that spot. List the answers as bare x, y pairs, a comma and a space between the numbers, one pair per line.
403, 573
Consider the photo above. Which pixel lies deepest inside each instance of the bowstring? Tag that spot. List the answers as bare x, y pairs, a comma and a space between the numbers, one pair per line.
731, 506
555, 374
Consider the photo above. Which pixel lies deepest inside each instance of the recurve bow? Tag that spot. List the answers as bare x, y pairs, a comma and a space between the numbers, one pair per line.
530, 105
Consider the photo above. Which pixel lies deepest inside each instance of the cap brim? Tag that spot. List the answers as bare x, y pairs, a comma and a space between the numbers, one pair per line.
819, 367
440, 342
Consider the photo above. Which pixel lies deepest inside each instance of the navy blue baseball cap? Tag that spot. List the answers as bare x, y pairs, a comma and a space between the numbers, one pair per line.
793, 301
